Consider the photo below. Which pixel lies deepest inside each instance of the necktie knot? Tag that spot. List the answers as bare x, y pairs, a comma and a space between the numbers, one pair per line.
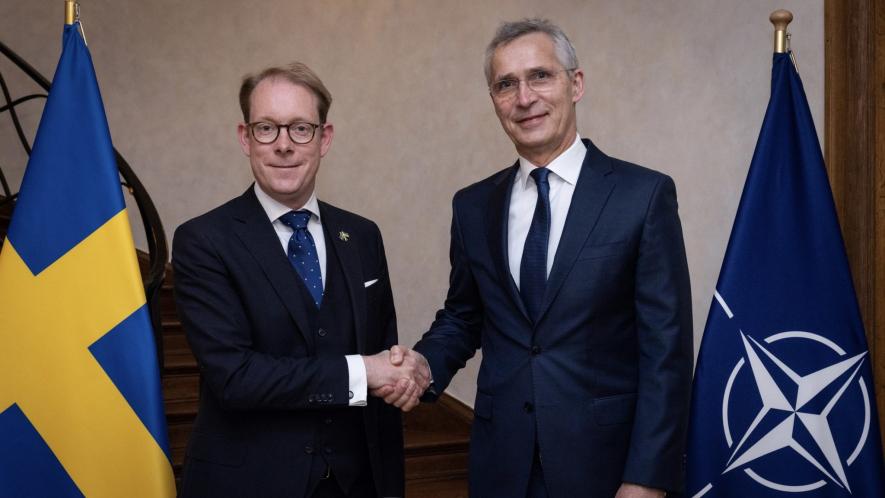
540, 177
296, 220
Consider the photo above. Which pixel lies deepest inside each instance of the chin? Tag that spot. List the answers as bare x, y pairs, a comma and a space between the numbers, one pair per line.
283, 189
532, 136
532, 142
287, 186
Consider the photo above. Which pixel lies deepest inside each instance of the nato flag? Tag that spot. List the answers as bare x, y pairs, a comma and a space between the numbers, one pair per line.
783, 394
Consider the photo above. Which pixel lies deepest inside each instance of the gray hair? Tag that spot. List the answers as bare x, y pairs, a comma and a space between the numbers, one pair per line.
509, 31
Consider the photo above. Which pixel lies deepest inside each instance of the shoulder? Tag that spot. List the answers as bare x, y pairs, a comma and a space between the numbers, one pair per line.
216, 220
642, 190
641, 181
635, 172
336, 219
640, 176
623, 172
479, 192
205, 237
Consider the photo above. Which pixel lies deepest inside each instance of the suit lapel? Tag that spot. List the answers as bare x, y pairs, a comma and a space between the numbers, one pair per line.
594, 186
257, 233
496, 221
345, 248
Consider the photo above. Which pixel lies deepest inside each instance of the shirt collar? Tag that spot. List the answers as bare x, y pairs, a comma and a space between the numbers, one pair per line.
274, 209
566, 165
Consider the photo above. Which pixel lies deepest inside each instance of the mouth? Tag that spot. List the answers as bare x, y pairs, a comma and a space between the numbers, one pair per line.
530, 121
283, 166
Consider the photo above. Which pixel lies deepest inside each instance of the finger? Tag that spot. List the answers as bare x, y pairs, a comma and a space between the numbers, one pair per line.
395, 399
421, 364
410, 404
422, 382
399, 390
424, 371
421, 376
407, 396
397, 355
382, 391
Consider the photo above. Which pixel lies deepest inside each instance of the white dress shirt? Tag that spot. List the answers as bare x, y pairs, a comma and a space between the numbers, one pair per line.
356, 367
565, 170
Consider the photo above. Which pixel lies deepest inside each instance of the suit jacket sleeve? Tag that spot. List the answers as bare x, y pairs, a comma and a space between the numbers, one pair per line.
664, 329
219, 330
455, 334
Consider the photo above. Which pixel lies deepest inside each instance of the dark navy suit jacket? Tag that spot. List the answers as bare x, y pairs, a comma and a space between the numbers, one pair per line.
601, 382
263, 388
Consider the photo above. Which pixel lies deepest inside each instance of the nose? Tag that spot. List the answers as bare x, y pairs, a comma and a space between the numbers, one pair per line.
525, 96
283, 144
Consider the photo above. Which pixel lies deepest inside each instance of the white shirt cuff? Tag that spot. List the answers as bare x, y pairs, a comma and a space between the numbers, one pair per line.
356, 374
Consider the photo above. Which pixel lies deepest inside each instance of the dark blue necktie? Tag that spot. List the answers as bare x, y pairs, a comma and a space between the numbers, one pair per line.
533, 268
303, 253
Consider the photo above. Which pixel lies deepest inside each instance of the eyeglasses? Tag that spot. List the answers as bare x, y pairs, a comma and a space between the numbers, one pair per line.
539, 81
267, 133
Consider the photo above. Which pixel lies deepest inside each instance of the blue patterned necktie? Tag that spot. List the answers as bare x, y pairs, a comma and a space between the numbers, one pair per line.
303, 253
533, 268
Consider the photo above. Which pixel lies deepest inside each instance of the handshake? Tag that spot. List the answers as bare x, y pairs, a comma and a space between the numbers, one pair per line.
399, 376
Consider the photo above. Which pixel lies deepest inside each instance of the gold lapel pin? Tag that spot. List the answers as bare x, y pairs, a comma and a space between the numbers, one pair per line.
343, 235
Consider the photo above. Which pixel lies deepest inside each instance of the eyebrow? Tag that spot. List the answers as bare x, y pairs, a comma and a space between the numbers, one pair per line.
297, 119
512, 76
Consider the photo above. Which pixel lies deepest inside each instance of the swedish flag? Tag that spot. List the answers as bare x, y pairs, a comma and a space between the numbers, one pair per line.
80, 403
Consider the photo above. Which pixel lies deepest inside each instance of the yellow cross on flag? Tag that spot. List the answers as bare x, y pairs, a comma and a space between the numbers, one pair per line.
81, 409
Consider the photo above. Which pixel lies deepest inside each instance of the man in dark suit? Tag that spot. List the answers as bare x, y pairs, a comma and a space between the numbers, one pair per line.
287, 305
569, 270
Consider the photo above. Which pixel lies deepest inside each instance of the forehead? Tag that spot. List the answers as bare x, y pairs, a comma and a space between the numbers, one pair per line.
283, 101
531, 51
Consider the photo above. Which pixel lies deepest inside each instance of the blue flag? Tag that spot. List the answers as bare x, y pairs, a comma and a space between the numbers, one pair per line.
81, 410
783, 401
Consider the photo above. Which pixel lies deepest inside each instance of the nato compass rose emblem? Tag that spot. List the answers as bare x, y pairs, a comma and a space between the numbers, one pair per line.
804, 385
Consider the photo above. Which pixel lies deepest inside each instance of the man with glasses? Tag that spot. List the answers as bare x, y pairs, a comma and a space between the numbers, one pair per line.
569, 270
287, 305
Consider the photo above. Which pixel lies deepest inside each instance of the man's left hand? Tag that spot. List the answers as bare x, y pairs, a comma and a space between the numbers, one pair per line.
628, 490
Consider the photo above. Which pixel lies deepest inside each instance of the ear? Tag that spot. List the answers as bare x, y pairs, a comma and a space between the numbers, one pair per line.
577, 85
328, 131
243, 135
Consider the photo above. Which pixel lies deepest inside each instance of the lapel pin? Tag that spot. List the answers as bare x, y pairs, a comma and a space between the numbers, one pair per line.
343, 235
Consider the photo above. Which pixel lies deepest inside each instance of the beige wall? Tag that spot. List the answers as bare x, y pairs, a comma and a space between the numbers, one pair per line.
680, 86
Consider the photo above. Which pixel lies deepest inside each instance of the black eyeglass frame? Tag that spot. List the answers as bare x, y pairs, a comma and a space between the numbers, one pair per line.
288, 127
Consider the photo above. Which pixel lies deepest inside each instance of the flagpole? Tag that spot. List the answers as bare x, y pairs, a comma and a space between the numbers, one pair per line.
70, 11
781, 18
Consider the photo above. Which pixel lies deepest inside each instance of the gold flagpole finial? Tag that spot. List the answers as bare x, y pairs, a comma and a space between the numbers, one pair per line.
781, 18
70, 11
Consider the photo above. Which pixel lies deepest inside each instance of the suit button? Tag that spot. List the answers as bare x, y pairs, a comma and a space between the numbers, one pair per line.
312, 398
321, 332
528, 407
349, 394
327, 421
536, 350
308, 449
327, 450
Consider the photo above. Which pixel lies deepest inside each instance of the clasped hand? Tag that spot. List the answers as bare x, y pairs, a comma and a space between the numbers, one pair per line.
399, 376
